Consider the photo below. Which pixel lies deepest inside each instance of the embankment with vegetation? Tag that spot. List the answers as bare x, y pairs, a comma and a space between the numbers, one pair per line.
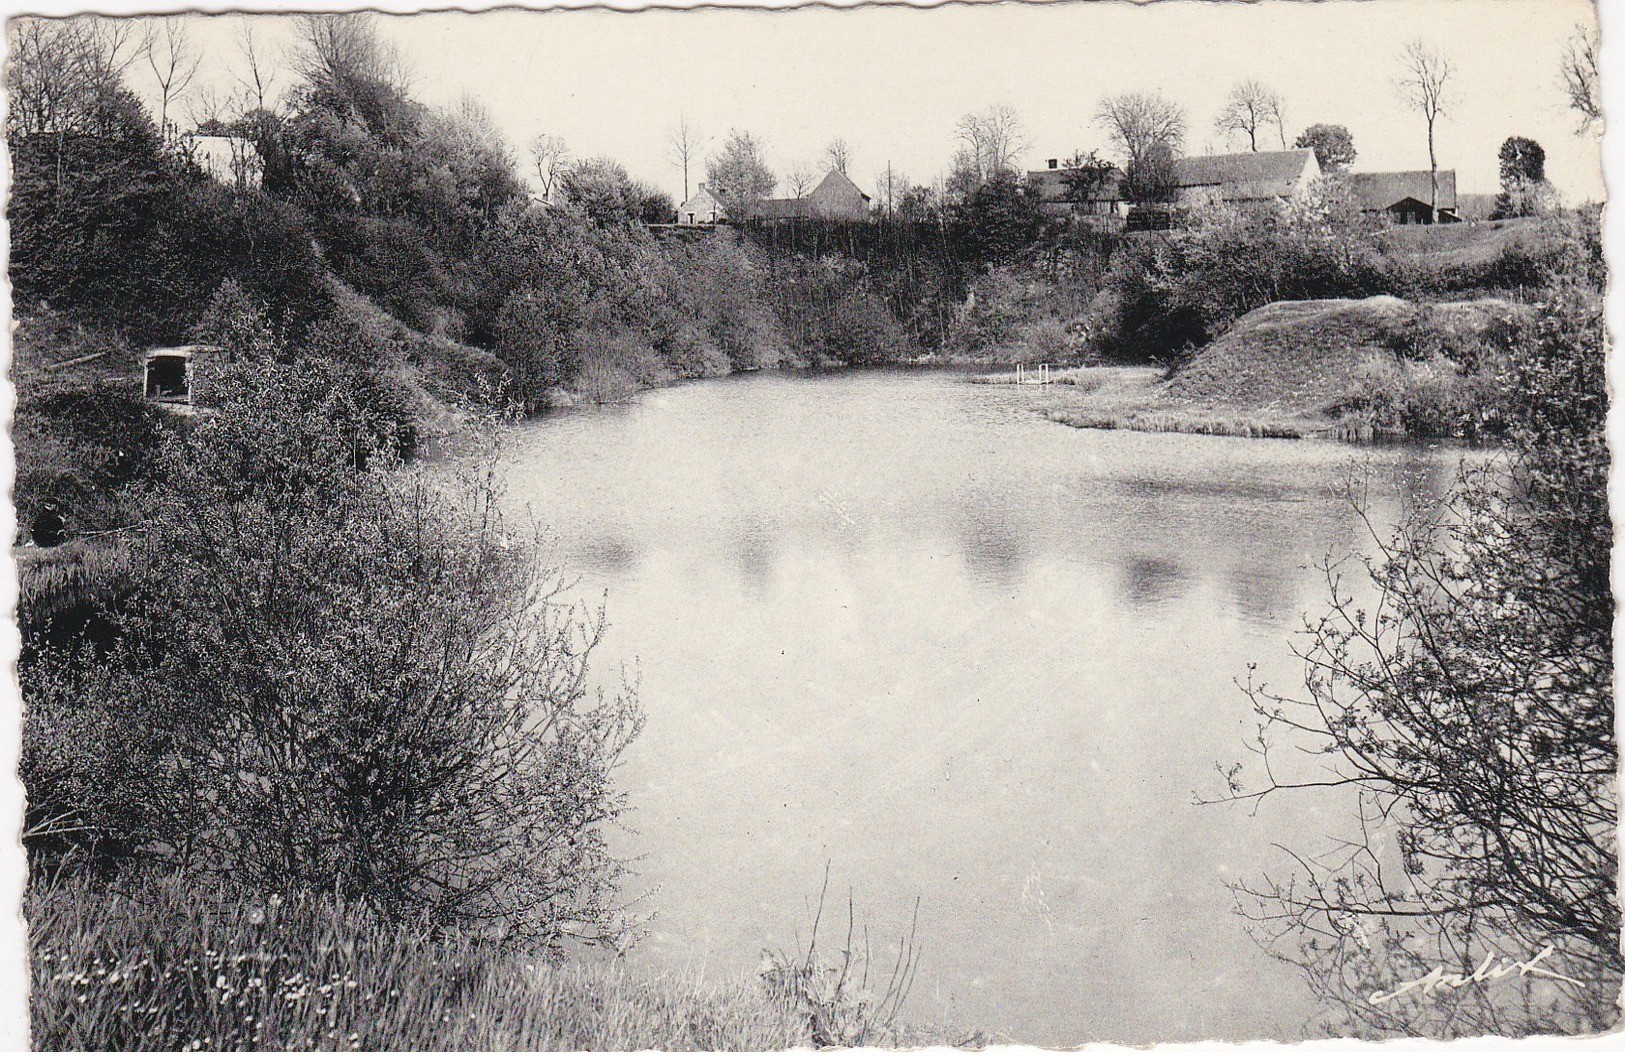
1308, 321
1343, 369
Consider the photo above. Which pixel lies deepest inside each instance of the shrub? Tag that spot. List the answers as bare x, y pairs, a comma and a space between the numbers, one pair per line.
1423, 397
1047, 341
236, 321
334, 675
1173, 293
80, 447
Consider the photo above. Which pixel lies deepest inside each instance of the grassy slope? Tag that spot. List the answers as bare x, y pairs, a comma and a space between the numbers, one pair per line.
1282, 370
1461, 245
176, 968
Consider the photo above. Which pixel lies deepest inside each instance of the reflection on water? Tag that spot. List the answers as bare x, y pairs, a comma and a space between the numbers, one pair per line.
906, 626
1152, 580
994, 550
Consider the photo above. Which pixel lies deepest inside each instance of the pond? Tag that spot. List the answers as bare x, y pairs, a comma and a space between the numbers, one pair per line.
903, 627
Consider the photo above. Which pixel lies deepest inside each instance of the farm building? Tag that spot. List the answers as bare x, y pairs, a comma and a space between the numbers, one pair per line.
1245, 180
835, 198
702, 208
1407, 196
1058, 193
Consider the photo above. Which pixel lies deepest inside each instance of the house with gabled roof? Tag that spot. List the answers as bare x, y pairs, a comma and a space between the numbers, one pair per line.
1257, 176
835, 198
1407, 197
704, 208
1251, 179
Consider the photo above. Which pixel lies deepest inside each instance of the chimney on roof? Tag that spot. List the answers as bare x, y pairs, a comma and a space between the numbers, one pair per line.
1055, 163
702, 185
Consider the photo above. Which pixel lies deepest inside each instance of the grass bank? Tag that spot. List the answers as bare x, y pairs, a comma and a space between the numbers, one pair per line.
166, 966
1352, 369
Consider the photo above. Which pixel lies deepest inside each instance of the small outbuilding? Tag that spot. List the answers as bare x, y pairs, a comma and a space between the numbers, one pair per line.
168, 374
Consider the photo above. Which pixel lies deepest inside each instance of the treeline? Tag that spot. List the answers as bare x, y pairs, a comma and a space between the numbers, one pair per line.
986, 274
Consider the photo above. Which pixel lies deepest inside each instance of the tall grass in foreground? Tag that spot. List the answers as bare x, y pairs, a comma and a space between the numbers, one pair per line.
164, 966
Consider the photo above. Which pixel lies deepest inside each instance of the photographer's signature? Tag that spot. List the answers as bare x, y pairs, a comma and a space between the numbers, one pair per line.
1488, 972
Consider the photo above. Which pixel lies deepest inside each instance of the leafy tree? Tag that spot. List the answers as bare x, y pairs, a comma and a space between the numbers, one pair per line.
1151, 179
335, 676
999, 222
1085, 175
238, 322
1522, 159
1524, 190
738, 173
1332, 144
349, 72
602, 189
1250, 108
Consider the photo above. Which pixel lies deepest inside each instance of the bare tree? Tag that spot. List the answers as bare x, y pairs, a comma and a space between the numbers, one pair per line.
1580, 76
1251, 107
209, 107
61, 67
888, 183
684, 148
990, 141
257, 74
1140, 122
1459, 693
1423, 83
551, 157
342, 54
837, 155
174, 62
800, 179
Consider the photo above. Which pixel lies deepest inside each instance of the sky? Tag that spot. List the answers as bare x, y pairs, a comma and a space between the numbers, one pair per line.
893, 81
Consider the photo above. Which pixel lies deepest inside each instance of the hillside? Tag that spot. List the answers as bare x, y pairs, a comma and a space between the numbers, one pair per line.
1303, 368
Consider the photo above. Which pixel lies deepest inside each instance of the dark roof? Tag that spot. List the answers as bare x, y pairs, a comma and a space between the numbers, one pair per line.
1383, 190
1237, 177
834, 182
774, 209
1249, 176
1051, 185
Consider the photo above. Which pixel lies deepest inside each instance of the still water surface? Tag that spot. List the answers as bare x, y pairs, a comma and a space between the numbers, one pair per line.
903, 625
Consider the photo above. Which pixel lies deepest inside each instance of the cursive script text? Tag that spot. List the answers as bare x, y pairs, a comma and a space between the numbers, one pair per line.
1489, 971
